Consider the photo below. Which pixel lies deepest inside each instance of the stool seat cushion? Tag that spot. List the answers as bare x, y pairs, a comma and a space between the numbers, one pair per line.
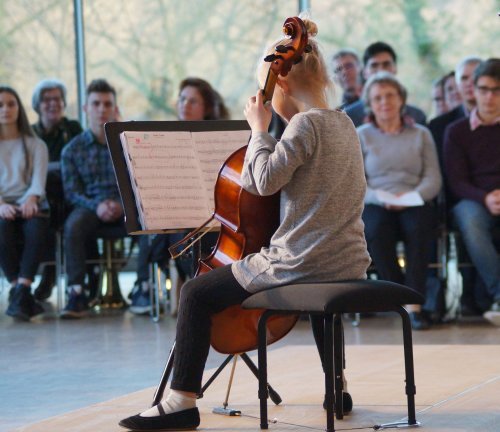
335, 297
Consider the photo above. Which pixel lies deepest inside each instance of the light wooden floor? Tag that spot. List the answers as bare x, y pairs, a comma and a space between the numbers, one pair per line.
458, 389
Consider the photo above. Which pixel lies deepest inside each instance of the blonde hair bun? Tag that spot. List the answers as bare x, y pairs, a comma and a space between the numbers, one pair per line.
312, 28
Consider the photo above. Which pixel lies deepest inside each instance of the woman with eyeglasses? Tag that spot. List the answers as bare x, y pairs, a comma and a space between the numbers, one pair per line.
399, 158
56, 130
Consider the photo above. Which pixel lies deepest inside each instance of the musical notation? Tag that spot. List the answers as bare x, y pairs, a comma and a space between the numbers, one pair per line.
173, 173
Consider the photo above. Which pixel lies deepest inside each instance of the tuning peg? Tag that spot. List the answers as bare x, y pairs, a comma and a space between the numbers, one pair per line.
270, 58
282, 49
308, 48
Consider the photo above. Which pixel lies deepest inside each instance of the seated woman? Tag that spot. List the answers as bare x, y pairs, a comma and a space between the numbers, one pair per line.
23, 207
399, 157
197, 100
56, 130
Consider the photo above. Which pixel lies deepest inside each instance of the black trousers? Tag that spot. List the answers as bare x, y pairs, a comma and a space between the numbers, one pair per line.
200, 298
416, 227
21, 245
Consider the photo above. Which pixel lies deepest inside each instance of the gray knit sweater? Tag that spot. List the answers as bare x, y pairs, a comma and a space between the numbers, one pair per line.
318, 167
399, 163
14, 186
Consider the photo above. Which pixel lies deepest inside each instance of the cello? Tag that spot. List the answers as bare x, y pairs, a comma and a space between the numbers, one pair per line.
248, 221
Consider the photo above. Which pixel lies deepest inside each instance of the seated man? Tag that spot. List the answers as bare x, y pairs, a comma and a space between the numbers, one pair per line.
90, 189
459, 92
437, 96
380, 56
347, 74
472, 163
464, 72
56, 130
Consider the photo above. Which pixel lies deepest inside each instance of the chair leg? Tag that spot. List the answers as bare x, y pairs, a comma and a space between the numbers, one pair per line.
409, 371
329, 375
262, 356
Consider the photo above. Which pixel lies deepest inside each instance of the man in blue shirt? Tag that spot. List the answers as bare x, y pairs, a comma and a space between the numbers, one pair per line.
90, 189
377, 57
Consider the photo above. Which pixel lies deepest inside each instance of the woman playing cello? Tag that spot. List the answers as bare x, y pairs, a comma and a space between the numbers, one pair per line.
318, 167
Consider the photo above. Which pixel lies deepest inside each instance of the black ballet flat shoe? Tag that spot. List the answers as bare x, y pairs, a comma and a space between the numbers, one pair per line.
182, 420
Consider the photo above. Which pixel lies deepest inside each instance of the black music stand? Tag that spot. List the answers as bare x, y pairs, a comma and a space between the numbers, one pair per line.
133, 225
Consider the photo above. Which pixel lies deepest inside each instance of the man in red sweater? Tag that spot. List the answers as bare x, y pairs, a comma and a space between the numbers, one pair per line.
472, 164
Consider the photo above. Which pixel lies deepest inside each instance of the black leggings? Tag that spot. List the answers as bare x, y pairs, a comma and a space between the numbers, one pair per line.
200, 298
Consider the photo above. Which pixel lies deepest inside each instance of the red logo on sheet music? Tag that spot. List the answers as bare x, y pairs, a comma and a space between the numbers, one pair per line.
137, 140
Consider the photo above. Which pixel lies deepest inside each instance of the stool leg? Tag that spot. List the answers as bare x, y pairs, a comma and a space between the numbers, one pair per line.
338, 355
262, 356
409, 371
329, 378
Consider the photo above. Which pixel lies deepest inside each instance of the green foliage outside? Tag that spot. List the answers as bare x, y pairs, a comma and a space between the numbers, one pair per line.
145, 48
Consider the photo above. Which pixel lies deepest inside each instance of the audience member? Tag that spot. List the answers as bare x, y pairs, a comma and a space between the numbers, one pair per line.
452, 96
23, 207
90, 189
197, 101
380, 56
472, 162
399, 157
438, 99
49, 102
347, 74
463, 77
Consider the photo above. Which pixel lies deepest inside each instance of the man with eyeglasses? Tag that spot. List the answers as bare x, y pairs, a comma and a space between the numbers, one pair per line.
56, 130
472, 163
380, 56
347, 74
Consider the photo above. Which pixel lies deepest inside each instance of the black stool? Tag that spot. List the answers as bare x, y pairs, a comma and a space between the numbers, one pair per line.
331, 300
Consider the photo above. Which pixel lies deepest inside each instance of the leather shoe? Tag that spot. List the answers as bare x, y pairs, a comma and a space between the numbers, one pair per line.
346, 402
182, 420
44, 288
22, 305
419, 321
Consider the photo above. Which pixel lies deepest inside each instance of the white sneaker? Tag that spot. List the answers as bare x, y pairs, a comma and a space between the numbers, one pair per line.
493, 314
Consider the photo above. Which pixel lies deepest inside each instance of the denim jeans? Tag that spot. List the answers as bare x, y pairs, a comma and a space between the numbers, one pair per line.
21, 244
476, 224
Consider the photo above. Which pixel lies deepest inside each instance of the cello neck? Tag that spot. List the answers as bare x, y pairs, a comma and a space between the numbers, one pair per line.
268, 89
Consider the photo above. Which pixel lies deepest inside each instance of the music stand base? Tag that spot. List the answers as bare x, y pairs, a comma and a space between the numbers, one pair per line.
226, 411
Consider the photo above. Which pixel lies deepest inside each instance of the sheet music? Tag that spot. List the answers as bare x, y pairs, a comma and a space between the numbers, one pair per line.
173, 174
212, 149
408, 199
